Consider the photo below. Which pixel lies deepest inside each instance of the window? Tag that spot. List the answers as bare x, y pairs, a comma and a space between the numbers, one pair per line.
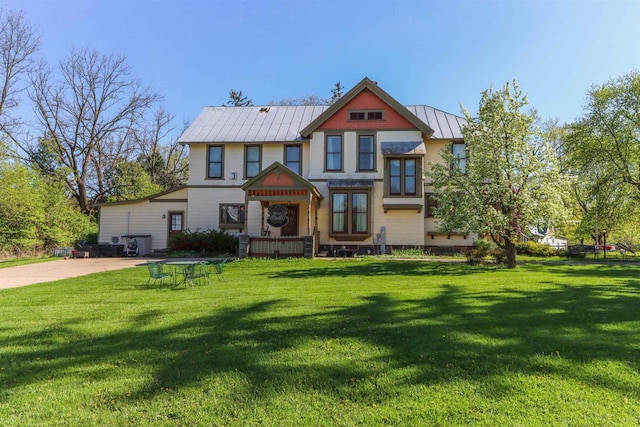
374, 115
431, 203
333, 160
402, 176
459, 151
231, 215
252, 160
215, 158
175, 220
365, 115
293, 158
366, 153
350, 213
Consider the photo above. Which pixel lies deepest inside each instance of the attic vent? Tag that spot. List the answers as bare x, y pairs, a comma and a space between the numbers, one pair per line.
265, 109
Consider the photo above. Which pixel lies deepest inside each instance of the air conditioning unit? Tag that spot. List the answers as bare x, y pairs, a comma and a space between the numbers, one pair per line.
116, 240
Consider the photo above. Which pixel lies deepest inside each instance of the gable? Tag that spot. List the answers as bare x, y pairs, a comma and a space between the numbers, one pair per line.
366, 101
365, 93
279, 180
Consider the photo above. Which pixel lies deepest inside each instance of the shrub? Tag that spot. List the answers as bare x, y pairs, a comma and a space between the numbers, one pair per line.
208, 242
407, 253
480, 250
498, 254
535, 249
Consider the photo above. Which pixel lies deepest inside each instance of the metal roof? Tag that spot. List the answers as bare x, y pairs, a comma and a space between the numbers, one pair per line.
445, 125
284, 123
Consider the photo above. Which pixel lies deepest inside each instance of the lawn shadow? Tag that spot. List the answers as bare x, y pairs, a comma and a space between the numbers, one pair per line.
477, 335
390, 268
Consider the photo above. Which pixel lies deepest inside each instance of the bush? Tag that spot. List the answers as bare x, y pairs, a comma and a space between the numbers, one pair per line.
499, 255
208, 242
535, 249
480, 250
407, 253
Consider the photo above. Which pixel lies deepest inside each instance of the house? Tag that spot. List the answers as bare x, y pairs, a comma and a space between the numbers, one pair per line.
289, 180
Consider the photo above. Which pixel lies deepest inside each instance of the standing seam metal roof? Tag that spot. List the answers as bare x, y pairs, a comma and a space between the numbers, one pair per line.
284, 123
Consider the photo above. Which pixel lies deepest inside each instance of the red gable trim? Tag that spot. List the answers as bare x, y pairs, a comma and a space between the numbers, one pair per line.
367, 100
368, 85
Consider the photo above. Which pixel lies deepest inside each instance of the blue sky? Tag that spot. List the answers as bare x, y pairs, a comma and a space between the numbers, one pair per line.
439, 53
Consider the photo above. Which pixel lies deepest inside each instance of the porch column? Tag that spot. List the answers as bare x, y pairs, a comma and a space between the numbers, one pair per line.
309, 201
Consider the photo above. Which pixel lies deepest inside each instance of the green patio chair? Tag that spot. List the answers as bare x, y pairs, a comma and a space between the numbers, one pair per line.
196, 271
217, 267
156, 273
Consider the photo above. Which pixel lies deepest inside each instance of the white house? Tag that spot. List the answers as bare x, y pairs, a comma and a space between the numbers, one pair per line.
349, 176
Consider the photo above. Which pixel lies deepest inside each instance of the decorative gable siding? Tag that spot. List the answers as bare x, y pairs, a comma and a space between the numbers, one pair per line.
366, 100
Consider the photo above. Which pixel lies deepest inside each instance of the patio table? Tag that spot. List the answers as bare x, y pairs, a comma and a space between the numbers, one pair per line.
178, 268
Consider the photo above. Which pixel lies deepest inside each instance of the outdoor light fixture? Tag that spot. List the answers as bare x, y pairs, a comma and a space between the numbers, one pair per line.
164, 216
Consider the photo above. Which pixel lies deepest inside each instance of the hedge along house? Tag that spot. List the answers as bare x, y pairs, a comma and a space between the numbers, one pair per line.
294, 180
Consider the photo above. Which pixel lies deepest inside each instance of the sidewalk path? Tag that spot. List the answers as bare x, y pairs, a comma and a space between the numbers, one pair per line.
13, 277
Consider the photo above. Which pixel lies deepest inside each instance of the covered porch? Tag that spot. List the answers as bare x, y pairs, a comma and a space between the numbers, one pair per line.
282, 215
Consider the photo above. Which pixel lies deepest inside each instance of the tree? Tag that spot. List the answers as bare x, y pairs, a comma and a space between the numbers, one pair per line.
19, 43
43, 220
305, 100
507, 180
89, 113
336, 92
166, 164
129, 181
602, 151
237, 99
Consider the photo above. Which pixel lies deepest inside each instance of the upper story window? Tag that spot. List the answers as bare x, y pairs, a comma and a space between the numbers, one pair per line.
252, 160
402, 176
333, 153
215, 161
366, 115
459, 151
293, 158
366, 153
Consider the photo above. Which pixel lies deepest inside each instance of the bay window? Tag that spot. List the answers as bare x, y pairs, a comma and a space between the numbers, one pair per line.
403, 176
350, 214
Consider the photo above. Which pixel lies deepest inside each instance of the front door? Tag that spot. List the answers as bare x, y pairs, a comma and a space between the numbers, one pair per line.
176, 223
291, 227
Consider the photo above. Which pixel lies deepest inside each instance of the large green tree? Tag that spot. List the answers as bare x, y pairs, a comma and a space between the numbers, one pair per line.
508, 178
36, 213
602, 150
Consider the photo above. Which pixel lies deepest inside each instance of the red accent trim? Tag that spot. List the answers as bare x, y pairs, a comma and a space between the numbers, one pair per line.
278, 180
277, 193
366, 100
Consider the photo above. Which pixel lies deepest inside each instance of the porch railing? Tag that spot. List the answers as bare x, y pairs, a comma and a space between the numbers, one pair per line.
277, 247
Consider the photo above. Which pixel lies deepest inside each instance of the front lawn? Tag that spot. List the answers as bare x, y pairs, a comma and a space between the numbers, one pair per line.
328, 342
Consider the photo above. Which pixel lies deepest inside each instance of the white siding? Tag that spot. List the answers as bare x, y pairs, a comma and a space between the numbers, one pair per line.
144, 217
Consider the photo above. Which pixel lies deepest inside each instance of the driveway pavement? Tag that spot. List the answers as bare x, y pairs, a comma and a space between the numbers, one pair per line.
13, 277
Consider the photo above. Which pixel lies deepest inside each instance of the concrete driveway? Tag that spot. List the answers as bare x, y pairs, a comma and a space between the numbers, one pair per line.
13, 277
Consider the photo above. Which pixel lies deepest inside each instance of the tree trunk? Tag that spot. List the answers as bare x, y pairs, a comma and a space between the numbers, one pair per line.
510, 251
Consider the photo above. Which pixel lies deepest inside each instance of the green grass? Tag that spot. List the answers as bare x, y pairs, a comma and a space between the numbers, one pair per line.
328, 342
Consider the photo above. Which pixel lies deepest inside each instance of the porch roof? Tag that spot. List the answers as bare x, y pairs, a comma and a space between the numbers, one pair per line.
278, 182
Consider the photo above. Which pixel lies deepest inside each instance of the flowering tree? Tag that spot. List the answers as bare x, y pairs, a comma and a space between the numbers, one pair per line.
508, 178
